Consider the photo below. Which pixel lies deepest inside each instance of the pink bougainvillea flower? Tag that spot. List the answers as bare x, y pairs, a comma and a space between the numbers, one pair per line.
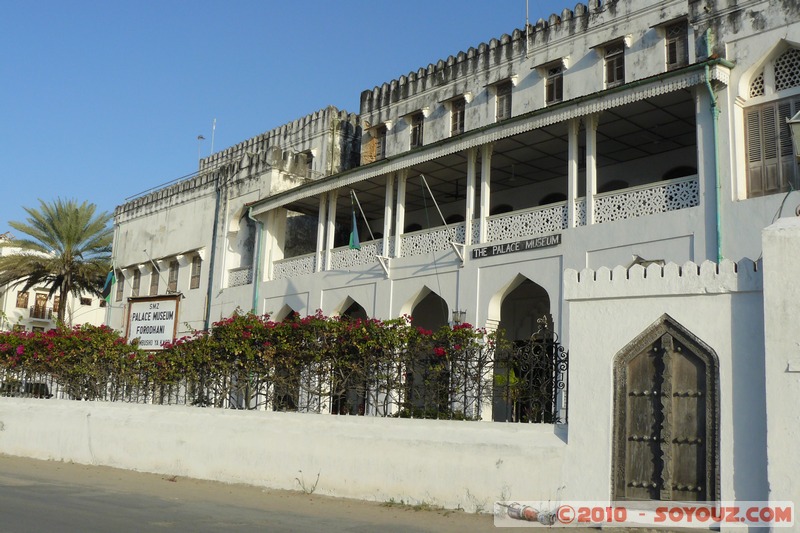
439, 351
20, 350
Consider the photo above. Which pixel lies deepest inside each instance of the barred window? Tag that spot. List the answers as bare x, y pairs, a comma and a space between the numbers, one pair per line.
554, 86
757, 86
787, 70
120, 286
417, 129
154, 283
196, 267
86, 301
677, 45
137, 279
172, 286
457, 115
615, 64
503, 101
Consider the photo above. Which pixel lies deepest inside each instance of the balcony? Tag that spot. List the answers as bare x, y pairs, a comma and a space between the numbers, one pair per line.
41, 312
622, 204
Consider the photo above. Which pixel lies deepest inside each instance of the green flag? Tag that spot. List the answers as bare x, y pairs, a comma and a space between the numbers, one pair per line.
110, 281
354, 242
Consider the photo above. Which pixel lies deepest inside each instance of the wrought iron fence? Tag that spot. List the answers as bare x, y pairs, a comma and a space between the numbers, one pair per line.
524, 382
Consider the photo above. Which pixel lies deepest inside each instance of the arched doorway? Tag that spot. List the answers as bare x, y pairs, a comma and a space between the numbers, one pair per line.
666, 417
349, 379
525, 374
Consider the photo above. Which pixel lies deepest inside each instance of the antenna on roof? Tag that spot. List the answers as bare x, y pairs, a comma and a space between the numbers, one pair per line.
213, 131
527, 25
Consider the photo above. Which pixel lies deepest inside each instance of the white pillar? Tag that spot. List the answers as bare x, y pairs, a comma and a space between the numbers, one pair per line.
572, 173
332, 197
321, 222
400, 220
706, 246
388, 209
469, 212
486, 179
269, 243
591, 165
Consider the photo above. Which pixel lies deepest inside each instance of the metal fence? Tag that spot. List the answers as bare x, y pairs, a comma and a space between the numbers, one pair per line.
520, 382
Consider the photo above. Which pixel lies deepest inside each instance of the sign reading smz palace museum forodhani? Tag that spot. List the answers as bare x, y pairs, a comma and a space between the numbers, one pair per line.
152, 321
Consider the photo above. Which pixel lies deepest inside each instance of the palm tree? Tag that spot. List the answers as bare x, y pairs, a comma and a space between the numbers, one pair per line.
68, 249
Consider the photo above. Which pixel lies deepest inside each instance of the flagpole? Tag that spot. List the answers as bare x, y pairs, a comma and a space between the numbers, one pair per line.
354, 195
434, 199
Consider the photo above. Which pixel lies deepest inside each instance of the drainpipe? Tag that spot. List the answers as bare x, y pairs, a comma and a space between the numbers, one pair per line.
715, 129
212, 255
257, 269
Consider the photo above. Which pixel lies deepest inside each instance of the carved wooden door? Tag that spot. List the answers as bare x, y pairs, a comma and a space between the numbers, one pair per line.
665, 444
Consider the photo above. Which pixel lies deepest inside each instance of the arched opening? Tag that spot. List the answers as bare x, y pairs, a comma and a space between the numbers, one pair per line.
430, 312
349, 382
525, 376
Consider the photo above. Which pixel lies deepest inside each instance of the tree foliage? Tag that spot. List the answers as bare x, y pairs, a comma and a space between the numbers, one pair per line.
66, 247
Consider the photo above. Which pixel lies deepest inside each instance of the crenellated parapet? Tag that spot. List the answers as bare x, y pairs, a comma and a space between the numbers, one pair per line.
298, 135
669, 279
663, 280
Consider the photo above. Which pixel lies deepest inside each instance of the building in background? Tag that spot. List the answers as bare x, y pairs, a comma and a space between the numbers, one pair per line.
35, 310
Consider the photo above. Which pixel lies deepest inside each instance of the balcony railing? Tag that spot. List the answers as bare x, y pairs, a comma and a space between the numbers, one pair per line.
41, 313
240, 276
633, 202
649, 199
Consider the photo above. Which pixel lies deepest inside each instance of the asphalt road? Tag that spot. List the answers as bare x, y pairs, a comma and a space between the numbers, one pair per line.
45, 496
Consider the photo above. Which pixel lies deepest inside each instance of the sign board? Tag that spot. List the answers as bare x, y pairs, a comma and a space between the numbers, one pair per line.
519, 246
153, 320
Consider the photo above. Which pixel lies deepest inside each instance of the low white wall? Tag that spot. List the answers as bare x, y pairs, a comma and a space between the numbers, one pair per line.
448, 463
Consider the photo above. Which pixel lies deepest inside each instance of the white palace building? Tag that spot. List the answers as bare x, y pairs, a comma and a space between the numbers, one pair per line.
614, 166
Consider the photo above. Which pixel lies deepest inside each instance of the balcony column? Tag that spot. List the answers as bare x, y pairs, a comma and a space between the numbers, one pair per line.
469, 212
592, 121
332, 197
572, 173
388, 207
707, 150
400, 216
321, 220
486, 177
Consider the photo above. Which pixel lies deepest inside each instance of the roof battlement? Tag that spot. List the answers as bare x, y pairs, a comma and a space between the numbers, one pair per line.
498, 52
689, 278
286, 136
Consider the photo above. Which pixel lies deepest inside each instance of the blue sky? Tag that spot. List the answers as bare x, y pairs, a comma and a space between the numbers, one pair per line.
102, 100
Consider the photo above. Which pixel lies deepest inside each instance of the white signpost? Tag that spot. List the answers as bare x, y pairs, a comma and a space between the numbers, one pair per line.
152, 321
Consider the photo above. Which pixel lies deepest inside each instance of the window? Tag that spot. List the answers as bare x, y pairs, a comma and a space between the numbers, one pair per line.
56, 303
86, 301
615, 64
154, 283
196, 265
103, 303
120, 286
771, 163
22, 299
457, 112
137, 279
417, 123
380, 143
503, 101
677, 46
554, 85
172, 286
309, 163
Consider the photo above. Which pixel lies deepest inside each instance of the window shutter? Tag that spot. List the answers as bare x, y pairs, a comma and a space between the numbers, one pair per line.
755, 171
769, 135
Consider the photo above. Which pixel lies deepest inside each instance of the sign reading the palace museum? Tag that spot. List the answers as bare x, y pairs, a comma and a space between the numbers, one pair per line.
519, 246
153, 320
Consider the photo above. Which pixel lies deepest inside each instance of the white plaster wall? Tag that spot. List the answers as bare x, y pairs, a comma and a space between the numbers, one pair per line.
781, 314
453, 464
724, 310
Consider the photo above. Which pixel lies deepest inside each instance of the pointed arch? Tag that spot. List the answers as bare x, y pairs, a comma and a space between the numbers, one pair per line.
428, 309
666, 417
351, 308
285, 312
532, 291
